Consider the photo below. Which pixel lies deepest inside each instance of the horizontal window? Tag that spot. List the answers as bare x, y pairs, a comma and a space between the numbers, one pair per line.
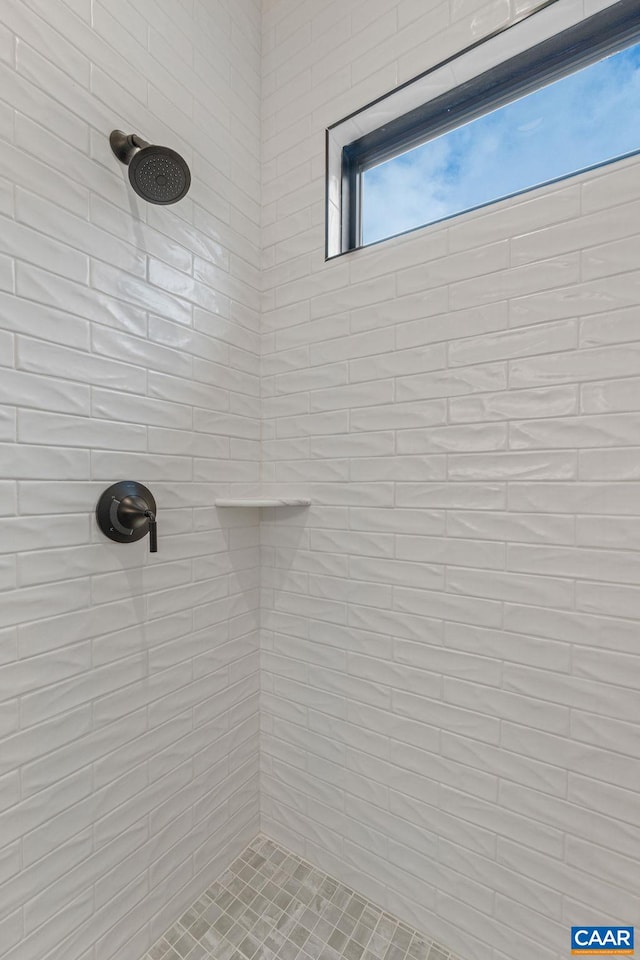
567, 104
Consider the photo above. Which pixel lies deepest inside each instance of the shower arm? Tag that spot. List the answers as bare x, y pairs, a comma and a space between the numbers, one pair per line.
125, 146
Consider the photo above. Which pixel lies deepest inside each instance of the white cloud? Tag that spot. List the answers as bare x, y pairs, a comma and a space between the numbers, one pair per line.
586, 118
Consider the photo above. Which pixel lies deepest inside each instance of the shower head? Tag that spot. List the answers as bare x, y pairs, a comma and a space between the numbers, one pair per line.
157, 174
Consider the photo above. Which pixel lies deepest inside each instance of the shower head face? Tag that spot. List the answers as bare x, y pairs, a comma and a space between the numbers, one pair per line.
159, 175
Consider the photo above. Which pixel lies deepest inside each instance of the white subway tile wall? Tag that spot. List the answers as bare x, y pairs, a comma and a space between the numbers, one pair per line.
449, 637
129, 349
451, 652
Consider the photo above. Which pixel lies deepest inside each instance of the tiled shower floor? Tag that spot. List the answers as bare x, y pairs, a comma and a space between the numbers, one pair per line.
272, 904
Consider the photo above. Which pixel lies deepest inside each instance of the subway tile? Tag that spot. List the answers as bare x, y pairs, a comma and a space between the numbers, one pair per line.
352, 395
607, 599
609, 396
52, 291
476, 379
398, 309
316, 378
124, 286
8, 574
111, 405
399, 468
347, 347
36, 247
600, 330
43, 462
574, 234
578, 562
478, 496
558, 876
30, 318
43, 392
508, 586
586, 298
448, 635
497, 761
516, 282
512, 527
589, 431
610, 258
29, 533
397, 364
452, 325
444, 550
529, 341
144, 353
445, 605
24, 169
601, 697
397, 415
478, 262
558, 811
6, 274
505, 705
452, 438
606, 531
504, 822
8, 423
514, 404
619, 464
612, 187
38, 357
605, 733
583, 497
35, 427
77, 233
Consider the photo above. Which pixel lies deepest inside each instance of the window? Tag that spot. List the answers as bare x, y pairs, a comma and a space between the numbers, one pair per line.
558, 107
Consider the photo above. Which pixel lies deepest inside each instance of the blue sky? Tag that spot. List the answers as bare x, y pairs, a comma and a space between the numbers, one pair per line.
583, 119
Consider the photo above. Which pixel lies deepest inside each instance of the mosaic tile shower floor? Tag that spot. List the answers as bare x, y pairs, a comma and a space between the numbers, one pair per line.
273, 905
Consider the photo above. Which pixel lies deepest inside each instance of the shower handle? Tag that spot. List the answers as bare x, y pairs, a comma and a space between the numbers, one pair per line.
126, 512
153, 532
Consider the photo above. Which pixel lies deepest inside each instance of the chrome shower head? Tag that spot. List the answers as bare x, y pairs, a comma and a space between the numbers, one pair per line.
157, 174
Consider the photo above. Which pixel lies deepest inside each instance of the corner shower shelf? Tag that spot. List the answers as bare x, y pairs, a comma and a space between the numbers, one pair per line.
263, 502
